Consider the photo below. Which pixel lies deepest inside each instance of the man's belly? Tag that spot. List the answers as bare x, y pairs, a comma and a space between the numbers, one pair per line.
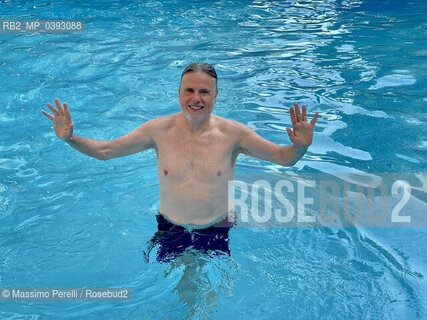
196, 203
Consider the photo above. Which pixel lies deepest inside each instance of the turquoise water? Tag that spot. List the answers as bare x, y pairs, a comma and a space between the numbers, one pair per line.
69, 221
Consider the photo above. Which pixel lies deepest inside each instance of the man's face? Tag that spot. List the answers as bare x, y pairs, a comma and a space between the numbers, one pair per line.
197, 95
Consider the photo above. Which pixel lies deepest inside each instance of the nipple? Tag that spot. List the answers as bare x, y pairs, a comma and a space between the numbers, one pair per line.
165, 172
218, 173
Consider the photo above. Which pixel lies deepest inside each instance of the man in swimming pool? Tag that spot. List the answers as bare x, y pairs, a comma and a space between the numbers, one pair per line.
196, 150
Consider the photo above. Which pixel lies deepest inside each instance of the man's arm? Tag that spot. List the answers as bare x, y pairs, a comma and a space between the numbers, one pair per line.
301, 136
135, 141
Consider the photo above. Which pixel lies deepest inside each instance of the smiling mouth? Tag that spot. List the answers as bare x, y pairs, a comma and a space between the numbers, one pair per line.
196, 108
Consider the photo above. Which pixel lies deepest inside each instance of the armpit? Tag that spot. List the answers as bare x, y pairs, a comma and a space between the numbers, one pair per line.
244, 151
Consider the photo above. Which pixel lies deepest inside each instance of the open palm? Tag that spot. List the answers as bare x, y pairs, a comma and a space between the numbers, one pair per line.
301, 133
61, 120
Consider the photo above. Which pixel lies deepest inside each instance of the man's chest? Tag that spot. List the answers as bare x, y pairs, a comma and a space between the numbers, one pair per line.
205, 157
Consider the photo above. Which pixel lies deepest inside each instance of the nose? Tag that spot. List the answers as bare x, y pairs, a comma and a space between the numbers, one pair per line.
195, 98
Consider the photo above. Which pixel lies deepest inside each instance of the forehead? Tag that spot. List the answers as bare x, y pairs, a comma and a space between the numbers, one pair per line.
198, 79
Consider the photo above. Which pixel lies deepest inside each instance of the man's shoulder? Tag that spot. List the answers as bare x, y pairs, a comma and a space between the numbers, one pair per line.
229, 125
163, 122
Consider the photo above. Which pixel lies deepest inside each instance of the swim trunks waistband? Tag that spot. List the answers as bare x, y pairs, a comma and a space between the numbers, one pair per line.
172, 240
226, 220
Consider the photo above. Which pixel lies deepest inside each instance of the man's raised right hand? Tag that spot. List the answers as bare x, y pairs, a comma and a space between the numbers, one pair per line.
61, 120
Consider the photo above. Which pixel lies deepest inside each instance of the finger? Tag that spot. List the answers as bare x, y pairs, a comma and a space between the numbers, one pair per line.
293, 117
304, 113
290, 134
58, 105
297, 112
313, 121
48, 115
67, 112
55, 112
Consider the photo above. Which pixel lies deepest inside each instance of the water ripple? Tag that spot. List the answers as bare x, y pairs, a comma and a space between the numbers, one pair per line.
67, 220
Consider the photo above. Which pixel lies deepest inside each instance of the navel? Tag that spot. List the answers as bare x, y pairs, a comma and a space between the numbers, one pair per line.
165, 172
218, 173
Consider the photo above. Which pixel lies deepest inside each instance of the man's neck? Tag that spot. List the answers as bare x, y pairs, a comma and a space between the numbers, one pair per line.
196, 127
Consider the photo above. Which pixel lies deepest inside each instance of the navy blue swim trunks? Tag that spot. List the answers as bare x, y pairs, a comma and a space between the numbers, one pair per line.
172, 240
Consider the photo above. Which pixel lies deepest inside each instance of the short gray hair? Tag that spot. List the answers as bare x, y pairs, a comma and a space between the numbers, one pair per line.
201, 67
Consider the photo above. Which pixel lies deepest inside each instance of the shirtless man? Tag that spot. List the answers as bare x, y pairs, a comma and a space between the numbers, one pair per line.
196, 150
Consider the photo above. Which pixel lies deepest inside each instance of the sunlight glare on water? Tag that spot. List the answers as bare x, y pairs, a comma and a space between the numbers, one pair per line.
69, 221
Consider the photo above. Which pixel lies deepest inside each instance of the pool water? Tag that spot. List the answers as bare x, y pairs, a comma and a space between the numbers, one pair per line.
69, 221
